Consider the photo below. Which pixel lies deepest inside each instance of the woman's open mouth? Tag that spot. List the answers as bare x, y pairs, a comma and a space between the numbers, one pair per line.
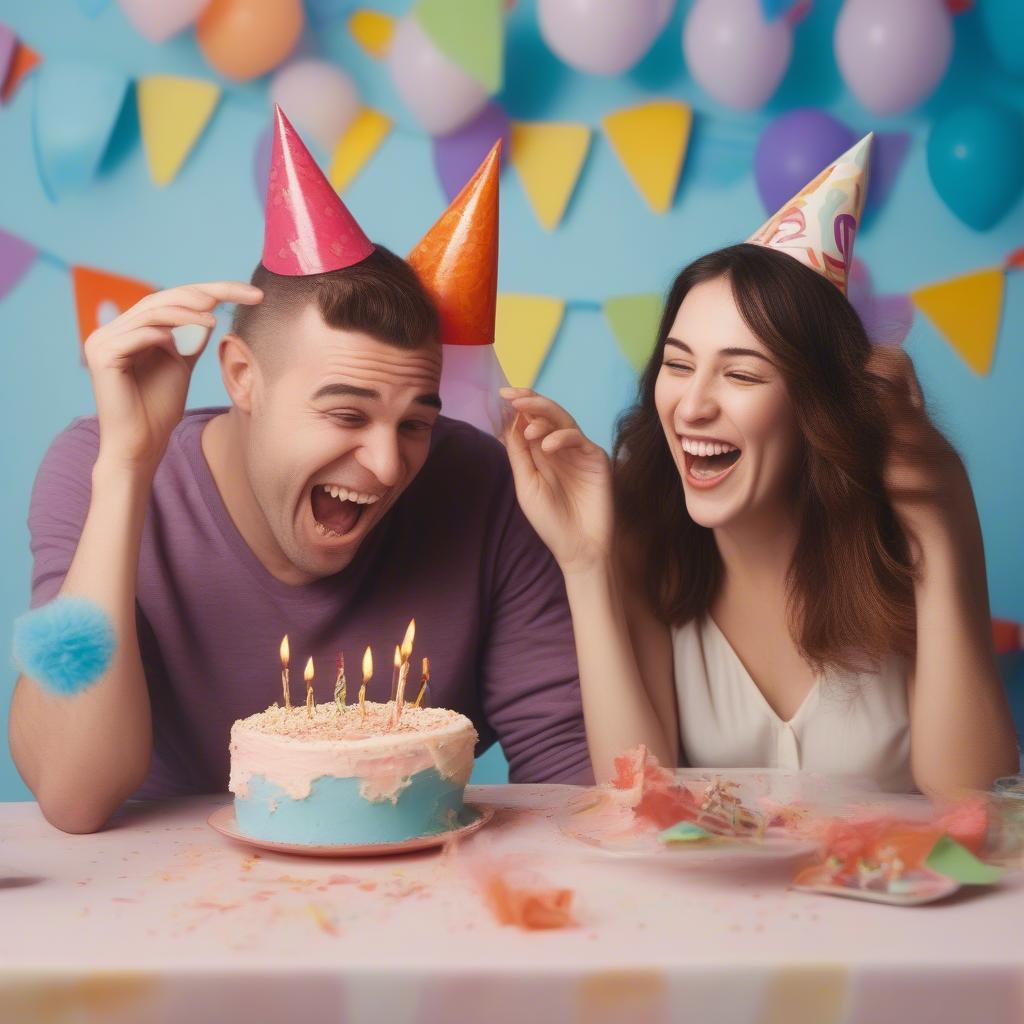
708, 463
337, 511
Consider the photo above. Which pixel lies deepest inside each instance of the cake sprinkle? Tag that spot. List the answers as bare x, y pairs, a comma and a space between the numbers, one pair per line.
330, 722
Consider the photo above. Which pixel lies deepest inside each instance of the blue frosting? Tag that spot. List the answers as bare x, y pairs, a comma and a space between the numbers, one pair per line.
336, 813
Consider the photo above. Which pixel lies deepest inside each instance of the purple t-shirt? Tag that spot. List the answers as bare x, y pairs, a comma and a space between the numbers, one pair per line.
455, 552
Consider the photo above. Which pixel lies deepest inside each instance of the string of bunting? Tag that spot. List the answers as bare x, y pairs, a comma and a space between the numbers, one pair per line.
966, 310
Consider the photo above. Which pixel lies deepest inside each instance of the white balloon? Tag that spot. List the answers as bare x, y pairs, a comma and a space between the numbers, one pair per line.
318, 97
603, 37
158, 20
438, 92
734, 54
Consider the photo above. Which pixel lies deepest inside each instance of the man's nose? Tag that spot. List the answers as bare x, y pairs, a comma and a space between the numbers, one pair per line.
380, 455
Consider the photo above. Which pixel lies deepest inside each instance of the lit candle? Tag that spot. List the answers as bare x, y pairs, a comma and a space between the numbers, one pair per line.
308, 676
340, 683
394, 673
410, 634
424, 683
403, 678
367, 674
284, 673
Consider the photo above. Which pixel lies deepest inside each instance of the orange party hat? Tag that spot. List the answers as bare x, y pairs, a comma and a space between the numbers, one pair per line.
308, 229
457, 259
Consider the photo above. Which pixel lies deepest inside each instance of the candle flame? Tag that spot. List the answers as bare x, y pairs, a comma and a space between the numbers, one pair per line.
284, 651
398, 656
410, 635
309, 672
367, 663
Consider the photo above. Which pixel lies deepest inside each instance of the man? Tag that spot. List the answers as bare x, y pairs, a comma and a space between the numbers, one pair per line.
329, 502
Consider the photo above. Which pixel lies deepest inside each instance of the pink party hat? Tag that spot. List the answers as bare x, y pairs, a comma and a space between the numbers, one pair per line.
819, 224
308, 228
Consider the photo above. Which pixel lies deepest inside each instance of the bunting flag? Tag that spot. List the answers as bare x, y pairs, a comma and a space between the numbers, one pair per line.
1007, 636
373, 31
173, 112
470, 34
76, 108
23, 60
16, 256
525, 329
101, 296
966, 311
548, 158
361, 139
634, 320
650, 141
8, 44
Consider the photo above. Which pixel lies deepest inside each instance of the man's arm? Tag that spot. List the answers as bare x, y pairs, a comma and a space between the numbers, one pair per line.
531, 689
83, 755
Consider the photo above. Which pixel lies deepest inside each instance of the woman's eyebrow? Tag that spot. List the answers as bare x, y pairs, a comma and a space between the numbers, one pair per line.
722, 351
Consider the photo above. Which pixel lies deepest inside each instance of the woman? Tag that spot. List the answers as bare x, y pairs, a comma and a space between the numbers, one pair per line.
793, 575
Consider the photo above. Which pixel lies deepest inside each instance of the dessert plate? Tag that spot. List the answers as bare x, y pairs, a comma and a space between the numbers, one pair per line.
223, 821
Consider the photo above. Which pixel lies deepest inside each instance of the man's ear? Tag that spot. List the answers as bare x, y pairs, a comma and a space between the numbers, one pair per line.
239, 371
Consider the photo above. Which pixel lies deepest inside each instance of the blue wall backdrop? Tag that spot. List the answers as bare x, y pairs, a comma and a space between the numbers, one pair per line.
207, 224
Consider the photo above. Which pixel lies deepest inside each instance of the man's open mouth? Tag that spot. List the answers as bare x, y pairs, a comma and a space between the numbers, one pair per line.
709, 460
338, 510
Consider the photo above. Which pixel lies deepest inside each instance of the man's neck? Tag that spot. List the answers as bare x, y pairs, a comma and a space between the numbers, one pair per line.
224, 453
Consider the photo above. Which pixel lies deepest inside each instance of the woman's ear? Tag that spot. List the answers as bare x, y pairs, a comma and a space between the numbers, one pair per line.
238, 370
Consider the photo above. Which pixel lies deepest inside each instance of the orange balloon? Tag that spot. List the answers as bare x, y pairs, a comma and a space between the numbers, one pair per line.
245, 38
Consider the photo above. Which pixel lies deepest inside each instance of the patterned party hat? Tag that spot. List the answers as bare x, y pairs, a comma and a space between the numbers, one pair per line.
308, 228
819, 224
457, 259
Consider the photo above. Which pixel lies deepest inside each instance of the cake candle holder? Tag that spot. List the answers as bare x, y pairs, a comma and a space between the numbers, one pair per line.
284, 674
340, 684
308, 676
367, 675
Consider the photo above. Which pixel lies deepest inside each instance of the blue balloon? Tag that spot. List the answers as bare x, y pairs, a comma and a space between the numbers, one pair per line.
1003, 21
976, 162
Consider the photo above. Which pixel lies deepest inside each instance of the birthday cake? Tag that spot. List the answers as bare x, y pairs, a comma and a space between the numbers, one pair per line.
331, 775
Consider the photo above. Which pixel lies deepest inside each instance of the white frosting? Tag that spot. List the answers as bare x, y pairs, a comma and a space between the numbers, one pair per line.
292, 750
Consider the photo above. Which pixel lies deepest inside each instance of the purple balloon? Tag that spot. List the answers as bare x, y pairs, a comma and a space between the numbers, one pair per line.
458, 155
793, 150
887, 155
887, 318
261, 163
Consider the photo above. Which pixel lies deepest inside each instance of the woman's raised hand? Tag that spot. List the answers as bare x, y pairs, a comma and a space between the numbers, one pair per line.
562, 479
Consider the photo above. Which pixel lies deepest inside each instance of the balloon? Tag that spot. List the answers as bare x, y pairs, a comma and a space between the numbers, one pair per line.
243, 39
440, 94
1003, 21
158, 20
458, 155
603, 37
734, 54
318, 97
976, 162
793, 150
893, 55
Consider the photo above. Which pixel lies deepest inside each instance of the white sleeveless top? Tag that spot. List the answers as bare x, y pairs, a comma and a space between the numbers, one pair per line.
849, 723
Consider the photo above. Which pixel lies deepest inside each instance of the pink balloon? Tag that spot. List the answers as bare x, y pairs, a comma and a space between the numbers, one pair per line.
158, 20
319, 98
603, 37
893, 55
734, 54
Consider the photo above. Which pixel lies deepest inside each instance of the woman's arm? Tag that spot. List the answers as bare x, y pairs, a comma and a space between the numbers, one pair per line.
563, 483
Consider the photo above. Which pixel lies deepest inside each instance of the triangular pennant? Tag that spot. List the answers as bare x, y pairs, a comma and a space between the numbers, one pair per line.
634, 321
75, 110
8, 45
472, 35
650, 141
966, 312
101, 296
361, 139
172, 115
16, 256
548, 158
525, 327
23, 61
373, 31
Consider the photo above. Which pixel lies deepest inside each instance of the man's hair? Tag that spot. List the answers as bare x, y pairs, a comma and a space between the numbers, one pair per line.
380, 296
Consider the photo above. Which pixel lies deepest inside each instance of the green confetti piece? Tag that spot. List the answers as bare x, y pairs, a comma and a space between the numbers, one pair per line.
685, 832
954, 861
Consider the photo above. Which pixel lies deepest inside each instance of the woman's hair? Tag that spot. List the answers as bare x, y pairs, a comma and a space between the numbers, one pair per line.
851, 581
380, 296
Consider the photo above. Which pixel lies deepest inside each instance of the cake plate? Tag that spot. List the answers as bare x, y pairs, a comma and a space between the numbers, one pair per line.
223, 821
